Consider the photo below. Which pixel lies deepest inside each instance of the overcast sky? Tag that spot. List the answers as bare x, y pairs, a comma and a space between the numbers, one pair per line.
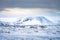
22, 8
53, 4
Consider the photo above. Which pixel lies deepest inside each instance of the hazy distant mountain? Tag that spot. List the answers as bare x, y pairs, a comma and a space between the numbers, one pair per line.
58, 23
40, 20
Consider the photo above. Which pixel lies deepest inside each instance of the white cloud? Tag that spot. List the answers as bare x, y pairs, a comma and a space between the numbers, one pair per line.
22, 12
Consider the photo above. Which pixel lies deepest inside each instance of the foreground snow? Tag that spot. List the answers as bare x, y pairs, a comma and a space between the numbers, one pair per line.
27, 37
30, 33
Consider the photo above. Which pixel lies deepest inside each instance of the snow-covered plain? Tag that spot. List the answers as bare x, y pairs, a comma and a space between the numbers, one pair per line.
30, 32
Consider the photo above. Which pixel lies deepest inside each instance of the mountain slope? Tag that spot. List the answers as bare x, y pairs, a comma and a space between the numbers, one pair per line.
40, 20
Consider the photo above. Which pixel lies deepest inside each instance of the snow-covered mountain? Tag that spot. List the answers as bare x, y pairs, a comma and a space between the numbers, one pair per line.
40, 20
58, 23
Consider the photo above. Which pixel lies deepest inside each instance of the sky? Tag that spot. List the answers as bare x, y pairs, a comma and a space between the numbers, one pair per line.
22, 8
